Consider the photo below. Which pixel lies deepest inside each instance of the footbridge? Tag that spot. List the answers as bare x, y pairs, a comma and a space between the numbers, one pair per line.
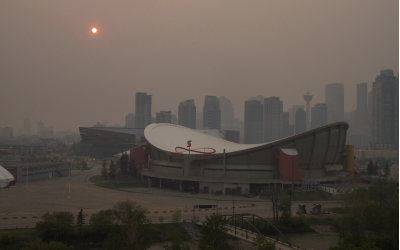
247, 227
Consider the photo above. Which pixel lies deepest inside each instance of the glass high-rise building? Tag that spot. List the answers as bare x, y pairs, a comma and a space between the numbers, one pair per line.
253, 122
163, 117
211, 113
187, 114
273, 109
142, 110
319, 115
334, 100
385, 111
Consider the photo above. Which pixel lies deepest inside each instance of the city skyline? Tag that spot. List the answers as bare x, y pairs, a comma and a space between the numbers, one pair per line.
68, 77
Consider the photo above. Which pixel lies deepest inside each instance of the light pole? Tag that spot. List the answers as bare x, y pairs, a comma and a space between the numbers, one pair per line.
69, 185
27, 177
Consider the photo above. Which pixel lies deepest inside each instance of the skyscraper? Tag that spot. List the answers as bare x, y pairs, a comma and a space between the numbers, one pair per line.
163, 117
273, 108
27, 126
308, 98
142, 110
253, 122
211, 113
285, 125
187, 114
292, 113
362, 105
334, 100
385, 111
319, 115
130, 120
300, 121
227, 113
370, 107
40, 127
174, 119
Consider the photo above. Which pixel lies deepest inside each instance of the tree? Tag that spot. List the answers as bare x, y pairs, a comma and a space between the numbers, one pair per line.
387, 169
132, 167
213, 233
80, 220
114, 241
103, 223
376, 168
124, 163
176, 216
112, 171
290, 192
84, 165
39, 245
373, 216
370, 168
56, 226
273, 195
285, 206
259, 243
176, 242
135, 225
161, 219
104, 171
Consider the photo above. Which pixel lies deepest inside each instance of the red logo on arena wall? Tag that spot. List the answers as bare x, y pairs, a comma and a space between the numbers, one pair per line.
203, 151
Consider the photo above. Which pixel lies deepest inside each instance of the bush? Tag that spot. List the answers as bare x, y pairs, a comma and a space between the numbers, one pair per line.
103, 223
56, 226
176, 216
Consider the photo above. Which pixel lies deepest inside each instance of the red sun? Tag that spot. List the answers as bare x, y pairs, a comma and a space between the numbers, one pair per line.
94, 30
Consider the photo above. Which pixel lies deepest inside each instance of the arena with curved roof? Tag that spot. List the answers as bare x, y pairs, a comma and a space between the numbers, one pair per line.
192, 160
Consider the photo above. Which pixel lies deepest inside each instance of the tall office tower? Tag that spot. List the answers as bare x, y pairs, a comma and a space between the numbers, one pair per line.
50, 131
334, 100
6, 133
385, 111
143, 110
319, 115
199, 120
292, 113
273, 108
369, 106
308, 98
174, 119
253, 122
227, 113
362, 105
163, 117
40, 127
187, 114
130, 120
27, 126
211, 113
301, 122
285, 124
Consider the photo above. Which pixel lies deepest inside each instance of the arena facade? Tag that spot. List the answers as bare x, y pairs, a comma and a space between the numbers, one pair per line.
180, 157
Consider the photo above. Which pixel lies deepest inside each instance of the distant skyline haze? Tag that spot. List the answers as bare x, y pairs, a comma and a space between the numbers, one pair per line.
55, 70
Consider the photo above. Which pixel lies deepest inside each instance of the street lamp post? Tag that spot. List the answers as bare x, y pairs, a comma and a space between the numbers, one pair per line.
27, 176
69, 185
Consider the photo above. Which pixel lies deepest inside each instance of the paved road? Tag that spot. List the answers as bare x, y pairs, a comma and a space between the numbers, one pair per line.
52, 195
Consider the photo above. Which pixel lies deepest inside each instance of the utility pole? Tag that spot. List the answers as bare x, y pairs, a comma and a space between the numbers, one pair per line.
27, 177
69, 184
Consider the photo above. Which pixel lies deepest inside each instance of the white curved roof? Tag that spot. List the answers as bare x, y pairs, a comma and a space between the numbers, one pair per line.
5, 177
167, 137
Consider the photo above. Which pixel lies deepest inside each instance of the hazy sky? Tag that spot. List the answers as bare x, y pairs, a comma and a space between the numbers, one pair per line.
52, 68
